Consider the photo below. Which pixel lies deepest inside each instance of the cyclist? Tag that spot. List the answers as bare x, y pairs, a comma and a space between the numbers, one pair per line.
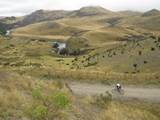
118, 87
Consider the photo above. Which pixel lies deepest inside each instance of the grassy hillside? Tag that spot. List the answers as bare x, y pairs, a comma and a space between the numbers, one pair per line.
91, 11
151, 23
118, 111
24, 97
48, 28
152, 12
96, 24
104, 46
140, 56
31, 89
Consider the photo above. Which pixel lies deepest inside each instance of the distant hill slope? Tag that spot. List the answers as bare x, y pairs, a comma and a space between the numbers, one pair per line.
1, 17
42, 15
152, 12
133, 57
148, 23
124, 18
130, 13
37, 16
47, 28
91, 10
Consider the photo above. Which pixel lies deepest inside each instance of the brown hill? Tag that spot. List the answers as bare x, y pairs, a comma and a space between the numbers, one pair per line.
152, 12
42, 15
91, 11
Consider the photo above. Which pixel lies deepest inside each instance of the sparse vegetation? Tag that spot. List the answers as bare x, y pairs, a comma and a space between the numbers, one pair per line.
26, 97
101, 46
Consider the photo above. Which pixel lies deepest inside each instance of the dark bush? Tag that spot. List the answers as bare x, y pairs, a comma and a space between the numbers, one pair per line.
63, 51
103, 100
55, 45
76, 59
122, 52
140, 52
153, 37
155, 41
135, 65
157, 77
138, 71
152, 49
2, 31
145, 62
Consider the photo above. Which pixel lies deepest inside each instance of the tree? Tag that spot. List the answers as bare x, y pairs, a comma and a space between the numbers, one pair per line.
135, 65
63, 51
152, 49
2, 31
55, 45
140, 52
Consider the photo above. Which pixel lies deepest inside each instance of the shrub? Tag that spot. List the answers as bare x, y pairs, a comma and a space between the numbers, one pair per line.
153, 37
140, 52
103, 100
114, 53
61, 100
63, 51
2, 31
145, 62
138, 71
37, 112
76, 59
91, 64
37, 93
152, 49
135, 65
47, 105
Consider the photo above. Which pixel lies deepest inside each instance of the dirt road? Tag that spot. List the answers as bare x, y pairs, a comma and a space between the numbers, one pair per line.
130, 93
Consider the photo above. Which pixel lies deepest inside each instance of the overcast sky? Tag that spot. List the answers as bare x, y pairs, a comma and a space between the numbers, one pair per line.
22, 7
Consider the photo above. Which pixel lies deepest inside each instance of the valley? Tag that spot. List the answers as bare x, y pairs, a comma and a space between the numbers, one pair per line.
63, 65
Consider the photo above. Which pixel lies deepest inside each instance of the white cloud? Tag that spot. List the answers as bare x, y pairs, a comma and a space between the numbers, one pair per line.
21, 7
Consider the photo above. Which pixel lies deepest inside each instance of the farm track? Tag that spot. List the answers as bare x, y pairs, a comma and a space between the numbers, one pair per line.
130, 92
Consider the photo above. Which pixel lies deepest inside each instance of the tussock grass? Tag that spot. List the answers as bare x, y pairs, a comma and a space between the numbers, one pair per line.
131, 111
25, 97
36, 59
119, 110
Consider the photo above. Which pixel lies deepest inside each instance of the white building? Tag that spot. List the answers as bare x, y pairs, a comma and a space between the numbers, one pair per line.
8, 32
59, 46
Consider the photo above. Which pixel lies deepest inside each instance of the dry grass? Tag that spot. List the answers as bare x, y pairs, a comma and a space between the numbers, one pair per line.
41, 37
131, 111
93, 76
25, 97
35, 58
120, 110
